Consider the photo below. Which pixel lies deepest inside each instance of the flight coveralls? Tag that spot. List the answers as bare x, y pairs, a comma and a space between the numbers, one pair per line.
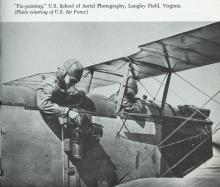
53, 91
50, 96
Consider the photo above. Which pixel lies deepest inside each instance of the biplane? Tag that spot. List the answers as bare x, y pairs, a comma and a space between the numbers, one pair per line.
117, 146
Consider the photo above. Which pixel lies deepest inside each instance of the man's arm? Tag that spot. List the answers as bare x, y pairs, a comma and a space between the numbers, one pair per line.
45, 104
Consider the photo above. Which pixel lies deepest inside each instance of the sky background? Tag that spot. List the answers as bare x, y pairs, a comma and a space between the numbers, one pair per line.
30, 48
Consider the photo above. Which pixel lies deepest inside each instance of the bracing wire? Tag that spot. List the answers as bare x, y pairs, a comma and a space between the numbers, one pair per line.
191, 137
145, 89
196, 88
189, 153
171, 134
174, 94
161, 84
118, 133
170, 90
84, 76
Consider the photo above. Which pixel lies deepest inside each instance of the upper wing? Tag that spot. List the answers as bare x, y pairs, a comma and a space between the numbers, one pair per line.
187, 50
184, 51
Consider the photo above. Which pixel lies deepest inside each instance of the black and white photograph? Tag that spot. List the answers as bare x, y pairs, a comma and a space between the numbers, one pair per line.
103, 104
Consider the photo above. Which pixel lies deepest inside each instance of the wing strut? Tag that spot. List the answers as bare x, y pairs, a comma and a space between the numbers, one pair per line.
90, 81
123, 86
167, 81
165, 93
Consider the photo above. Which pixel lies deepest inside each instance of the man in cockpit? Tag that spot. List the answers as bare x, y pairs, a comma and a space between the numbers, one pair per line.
53, 91
130, 102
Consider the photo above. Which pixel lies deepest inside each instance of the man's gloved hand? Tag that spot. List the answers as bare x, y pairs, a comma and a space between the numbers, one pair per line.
63, 111
72, 114
75, 117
